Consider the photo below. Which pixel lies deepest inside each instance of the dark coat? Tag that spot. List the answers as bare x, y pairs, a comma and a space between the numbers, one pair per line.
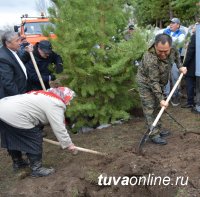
12, 78
43, 66
190, 61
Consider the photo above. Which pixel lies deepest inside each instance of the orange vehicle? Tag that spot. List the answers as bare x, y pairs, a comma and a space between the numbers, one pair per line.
31, 28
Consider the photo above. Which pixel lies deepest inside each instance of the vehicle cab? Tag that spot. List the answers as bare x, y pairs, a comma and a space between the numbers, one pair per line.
31, 28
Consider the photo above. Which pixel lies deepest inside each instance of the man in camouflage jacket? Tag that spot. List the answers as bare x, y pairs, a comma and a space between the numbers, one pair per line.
152, 76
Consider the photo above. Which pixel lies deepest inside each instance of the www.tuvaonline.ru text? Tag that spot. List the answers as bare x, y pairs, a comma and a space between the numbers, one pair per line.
150, 180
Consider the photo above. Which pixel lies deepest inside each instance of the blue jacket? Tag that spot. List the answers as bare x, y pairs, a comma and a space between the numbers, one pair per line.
177, 33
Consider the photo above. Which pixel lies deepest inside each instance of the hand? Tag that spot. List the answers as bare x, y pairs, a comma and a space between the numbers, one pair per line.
73, 149
25, 44
163, 103
59, 68
29, 48
52, 77
183, 70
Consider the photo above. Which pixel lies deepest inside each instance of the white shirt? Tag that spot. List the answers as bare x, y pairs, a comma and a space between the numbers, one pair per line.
20, 62
178, 39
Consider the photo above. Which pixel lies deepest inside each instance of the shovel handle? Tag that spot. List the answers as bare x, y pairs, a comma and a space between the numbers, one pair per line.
168, 99
77, 148
149, 131
37, 71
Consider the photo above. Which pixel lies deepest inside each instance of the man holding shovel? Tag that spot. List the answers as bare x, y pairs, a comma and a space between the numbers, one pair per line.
152, 76
44, 57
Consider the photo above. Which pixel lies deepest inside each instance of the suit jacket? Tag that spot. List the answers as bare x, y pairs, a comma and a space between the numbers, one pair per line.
12, 78
190, 61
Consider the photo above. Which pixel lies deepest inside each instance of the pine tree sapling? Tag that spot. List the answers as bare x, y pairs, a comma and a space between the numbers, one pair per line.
99, 63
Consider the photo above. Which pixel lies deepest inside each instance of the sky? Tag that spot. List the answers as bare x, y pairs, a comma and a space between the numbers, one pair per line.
12, 10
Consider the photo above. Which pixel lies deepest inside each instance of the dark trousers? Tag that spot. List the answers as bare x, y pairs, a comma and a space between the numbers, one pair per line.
198, 91
17, 139
190, 87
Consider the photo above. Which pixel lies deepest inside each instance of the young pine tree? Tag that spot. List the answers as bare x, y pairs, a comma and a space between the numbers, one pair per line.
99, 63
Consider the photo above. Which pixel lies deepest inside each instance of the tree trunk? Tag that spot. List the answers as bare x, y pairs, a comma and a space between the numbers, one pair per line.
170, 11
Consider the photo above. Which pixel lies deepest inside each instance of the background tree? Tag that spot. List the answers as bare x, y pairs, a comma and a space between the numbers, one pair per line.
7, 28
42, 6
151, 12
189, 10
98, 61
158, 12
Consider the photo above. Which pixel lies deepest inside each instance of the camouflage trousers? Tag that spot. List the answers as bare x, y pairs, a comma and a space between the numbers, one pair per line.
150, 106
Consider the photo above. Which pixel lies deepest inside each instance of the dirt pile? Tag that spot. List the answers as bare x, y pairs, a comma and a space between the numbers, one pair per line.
116, 174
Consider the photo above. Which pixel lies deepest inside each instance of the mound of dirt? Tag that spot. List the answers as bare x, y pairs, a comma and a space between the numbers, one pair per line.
170, 170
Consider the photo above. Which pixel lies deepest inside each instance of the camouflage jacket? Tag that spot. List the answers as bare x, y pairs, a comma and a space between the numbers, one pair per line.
154, 72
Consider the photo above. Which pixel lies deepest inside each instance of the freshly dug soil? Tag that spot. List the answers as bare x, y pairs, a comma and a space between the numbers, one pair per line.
78, 175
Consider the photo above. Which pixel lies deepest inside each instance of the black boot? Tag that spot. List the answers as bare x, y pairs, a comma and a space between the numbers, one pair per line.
36, 166
158, 140
18, 161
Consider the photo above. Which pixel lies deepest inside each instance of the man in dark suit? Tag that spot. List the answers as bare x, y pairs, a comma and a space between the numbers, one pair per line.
13, 76
13, 81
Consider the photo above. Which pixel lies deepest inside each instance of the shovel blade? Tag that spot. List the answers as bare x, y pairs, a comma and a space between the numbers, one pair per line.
145, 137
142, 142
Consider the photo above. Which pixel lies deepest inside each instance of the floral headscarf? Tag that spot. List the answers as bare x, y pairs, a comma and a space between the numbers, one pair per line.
64, 93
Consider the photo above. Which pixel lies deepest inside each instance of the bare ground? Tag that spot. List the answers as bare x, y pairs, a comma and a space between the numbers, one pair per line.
78, 175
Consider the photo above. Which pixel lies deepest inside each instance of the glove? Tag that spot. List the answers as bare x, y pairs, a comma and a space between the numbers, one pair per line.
52, 77
25, 44
59, 68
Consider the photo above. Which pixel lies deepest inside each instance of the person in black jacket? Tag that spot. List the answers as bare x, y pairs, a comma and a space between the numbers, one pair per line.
190, 77
13, 81
44, 57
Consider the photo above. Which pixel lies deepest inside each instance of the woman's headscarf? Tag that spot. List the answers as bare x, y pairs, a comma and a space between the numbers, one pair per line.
64, 93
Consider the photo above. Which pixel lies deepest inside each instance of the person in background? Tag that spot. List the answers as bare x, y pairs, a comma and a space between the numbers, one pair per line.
178, 38
129, 33
190, 78
196, 108
20, 116
44, 57
152, 77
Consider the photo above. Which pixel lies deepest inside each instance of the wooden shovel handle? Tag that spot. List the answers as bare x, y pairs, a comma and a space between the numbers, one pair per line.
77, 148
168, 99
37, 71
48, 140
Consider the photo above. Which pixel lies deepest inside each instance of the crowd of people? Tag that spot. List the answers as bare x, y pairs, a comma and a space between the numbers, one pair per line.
25, 107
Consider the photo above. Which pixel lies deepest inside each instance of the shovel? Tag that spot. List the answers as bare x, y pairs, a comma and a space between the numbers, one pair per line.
48, 140
150, 130
37, 71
